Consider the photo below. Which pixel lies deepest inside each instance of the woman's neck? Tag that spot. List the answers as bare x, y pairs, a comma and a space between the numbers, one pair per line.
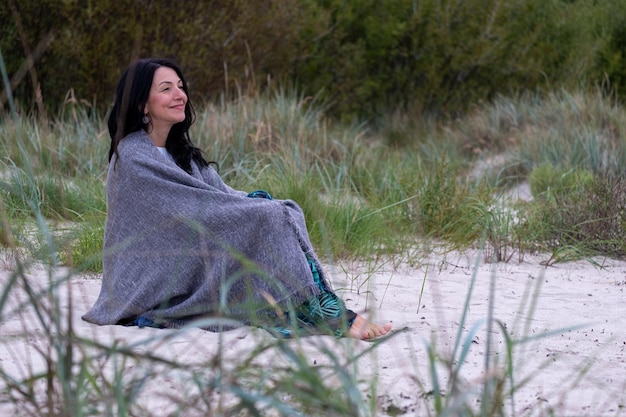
158, 136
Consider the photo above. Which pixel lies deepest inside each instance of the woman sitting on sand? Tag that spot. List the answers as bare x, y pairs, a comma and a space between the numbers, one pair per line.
181, 245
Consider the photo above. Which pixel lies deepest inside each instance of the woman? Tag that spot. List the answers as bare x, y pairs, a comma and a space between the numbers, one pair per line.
181, 245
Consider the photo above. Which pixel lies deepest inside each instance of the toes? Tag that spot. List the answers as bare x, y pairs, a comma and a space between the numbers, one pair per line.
365, 330
374, 330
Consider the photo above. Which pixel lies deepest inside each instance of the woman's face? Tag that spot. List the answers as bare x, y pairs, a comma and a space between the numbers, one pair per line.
167, 100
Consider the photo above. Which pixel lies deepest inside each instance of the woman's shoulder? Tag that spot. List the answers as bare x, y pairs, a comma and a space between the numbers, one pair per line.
134, 149
135, 141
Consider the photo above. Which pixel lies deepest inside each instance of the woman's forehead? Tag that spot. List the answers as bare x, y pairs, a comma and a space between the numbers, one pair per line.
165, 75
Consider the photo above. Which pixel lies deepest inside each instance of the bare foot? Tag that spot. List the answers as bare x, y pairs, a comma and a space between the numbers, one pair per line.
362, 329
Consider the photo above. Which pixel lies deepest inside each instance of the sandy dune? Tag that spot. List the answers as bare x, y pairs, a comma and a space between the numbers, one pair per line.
574, 366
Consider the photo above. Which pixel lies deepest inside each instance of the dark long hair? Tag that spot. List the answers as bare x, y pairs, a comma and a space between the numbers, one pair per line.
126, 115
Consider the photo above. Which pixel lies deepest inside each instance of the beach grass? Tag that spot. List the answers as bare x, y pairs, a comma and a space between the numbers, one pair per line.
371, 193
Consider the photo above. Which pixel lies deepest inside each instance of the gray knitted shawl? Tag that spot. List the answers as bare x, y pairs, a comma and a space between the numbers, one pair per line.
179, 247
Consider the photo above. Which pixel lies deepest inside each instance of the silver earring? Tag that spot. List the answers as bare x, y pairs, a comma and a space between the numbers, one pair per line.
145, 119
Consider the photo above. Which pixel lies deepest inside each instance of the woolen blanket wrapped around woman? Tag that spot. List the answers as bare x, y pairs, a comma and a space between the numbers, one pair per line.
178, 247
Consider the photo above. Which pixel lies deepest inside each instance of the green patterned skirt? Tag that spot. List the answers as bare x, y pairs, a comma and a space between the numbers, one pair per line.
324, 314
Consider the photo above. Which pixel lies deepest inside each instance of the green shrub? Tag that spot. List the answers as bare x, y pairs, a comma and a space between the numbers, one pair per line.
548, 182
365, 57
610, 60
450, 208
220, 44
577, 220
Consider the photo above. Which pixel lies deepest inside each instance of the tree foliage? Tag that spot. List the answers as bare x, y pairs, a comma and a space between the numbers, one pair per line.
364, 57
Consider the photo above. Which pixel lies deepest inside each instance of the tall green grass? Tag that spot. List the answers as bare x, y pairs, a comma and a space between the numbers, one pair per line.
366, 194
573, 130
353, 186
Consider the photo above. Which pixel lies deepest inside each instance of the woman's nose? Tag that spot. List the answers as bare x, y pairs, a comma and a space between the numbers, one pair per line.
181, 93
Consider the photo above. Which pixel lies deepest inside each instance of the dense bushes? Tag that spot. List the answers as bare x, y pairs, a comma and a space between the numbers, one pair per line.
443, 55
215, 42
364, 57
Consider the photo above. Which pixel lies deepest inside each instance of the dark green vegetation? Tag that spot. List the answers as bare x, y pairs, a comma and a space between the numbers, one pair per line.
364, 58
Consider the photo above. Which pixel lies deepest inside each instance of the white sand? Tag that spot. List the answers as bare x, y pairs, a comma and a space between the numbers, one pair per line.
574, 371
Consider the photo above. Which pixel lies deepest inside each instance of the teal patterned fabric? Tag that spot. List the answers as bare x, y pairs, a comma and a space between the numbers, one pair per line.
324, 314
